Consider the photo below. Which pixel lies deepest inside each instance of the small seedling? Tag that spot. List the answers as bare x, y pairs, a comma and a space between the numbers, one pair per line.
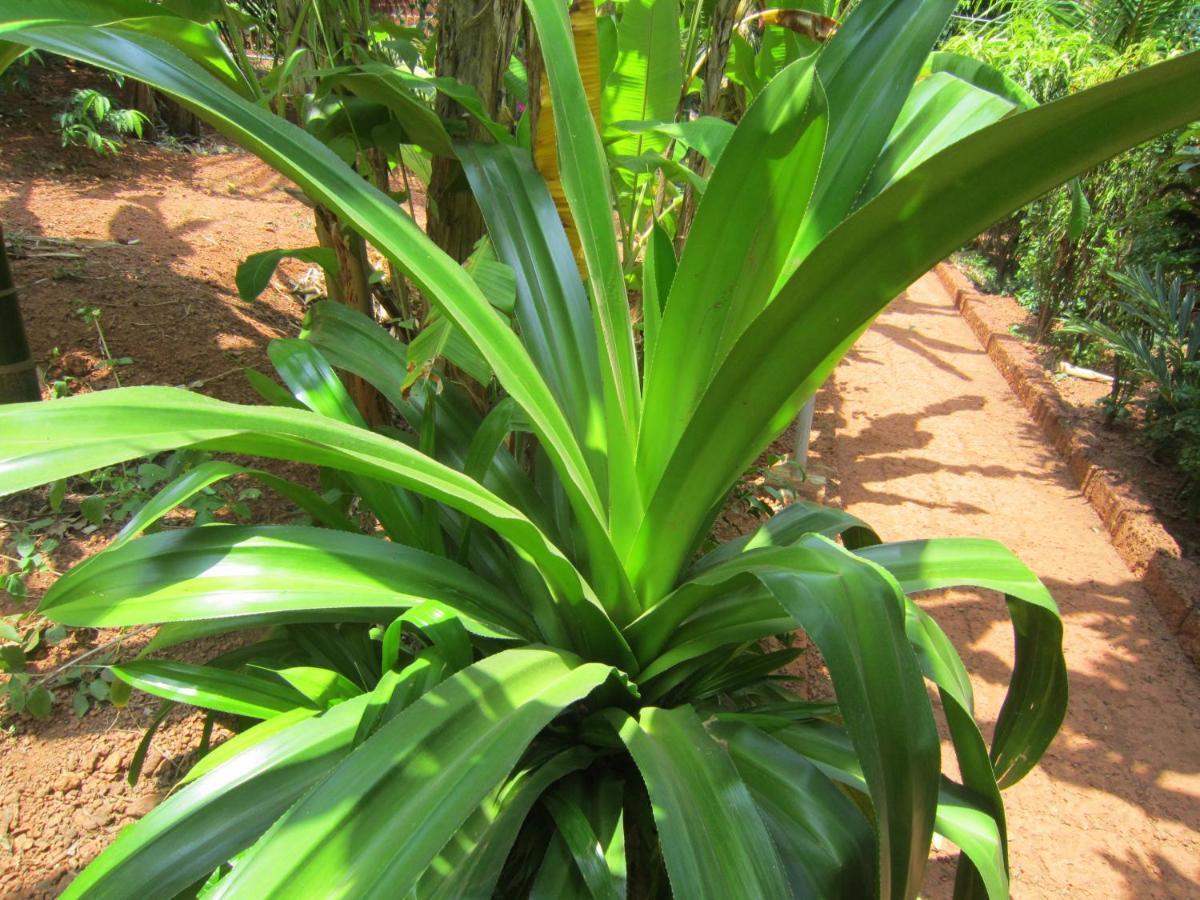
89, 114
91, 315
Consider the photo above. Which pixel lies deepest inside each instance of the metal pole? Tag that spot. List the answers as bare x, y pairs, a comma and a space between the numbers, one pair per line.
18, 375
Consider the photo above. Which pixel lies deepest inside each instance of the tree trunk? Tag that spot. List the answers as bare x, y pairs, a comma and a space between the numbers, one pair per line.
180, 122
351, 288
18, 375
475, 43
724, 18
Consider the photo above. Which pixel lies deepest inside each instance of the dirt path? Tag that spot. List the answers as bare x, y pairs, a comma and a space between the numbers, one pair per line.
931, 442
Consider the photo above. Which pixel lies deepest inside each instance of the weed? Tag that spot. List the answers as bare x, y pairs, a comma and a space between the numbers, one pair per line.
89, 114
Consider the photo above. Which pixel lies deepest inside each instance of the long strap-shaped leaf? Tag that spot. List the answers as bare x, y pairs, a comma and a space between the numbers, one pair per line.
394, 803
867, 70
208, 687
584, 173
552, 305
587, 816
39, 443
852, 613
351, 341
470, 865
711, 598
191, 482
827, 845
940, 111
1036, 702
202, 44
326, 179
712, 837
556, 323
218, 572
789, 525
789, 350
313, 383
739, 244
211, 820
961, 815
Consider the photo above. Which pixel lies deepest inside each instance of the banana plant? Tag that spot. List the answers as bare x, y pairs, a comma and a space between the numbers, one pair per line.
511, 664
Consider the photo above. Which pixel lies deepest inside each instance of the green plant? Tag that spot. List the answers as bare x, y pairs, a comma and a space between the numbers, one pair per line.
89, 114
1125, 212
24, 692
536, 683
1159, 346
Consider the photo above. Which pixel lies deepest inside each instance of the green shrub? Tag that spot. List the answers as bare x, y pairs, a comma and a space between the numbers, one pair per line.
1057, 253
506, 663
1157, 346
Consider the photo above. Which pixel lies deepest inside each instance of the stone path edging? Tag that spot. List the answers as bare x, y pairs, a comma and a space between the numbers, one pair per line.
1172, 582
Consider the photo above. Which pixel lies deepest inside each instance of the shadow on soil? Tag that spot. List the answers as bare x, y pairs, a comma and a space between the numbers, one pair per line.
1106, 750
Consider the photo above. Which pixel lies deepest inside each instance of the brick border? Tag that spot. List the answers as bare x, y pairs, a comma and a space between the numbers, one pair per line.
1172, 582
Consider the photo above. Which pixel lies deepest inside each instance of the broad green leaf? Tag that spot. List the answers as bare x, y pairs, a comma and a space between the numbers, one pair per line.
982, 76
606, 47
209, 688
789, 525
395, 802
707, 135
713, 839
657, 275
440, 627
777, 364
244, 740
349, 125
552, 306
960, 815
740, 67
231, 570
313, 382
497, 280
966, 821
940, 111
651, 161
853, 613
468, 98
1036, 702
558, 877
143, 421
216, 817
393, 89
354, 342
254, 272
567, 806
643, 85
583, 172
202, 45
739, 243
470, 865
826, 844
867, 70
322, 687
397, 690
194, 480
